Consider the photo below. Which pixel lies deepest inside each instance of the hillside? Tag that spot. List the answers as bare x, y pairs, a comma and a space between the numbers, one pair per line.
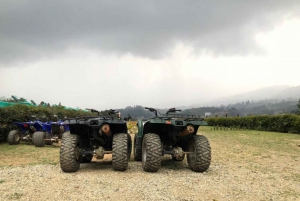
266, 93
280, 99
290, 92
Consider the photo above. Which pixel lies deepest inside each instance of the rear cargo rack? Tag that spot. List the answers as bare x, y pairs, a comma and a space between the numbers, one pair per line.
85, 118
185, 117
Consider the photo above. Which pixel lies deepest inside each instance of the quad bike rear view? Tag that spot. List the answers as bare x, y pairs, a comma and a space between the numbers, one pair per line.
95, 136
174, 134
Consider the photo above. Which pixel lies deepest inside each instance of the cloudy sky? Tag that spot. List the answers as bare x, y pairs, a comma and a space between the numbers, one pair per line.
111, 54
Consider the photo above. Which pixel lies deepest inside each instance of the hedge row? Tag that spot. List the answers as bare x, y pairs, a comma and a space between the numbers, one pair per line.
288, 123
21, 113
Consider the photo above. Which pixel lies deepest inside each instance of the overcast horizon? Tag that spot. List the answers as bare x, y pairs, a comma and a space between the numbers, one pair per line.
162, 54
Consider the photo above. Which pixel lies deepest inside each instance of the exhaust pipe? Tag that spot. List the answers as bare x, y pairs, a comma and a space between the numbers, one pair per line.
106, 129
188, 130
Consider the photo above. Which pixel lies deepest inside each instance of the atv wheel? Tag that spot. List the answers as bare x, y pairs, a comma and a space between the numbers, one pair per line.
65, 134
70, 153
129, 146
13, 137
38, 139
199, 161
86, 159
151, 152
48, 139
137, 150
120, 152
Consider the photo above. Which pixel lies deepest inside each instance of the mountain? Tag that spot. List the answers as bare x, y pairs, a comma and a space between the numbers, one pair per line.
288, 93
273, 92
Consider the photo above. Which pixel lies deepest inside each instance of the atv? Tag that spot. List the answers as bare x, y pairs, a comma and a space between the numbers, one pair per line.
49, 132
174, 134
95, 136
23, 133
58, 128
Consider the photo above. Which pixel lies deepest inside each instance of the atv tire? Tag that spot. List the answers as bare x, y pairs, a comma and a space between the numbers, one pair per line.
65, 134
200, 160
120, 146
137, 152
70, 153
129, 146
13, 137
38, 139
151, 152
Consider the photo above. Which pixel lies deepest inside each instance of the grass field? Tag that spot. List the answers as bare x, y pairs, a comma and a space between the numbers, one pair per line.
244, 147
26, 153
266, 152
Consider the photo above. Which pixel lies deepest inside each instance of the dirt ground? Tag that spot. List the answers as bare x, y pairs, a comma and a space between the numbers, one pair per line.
237, 172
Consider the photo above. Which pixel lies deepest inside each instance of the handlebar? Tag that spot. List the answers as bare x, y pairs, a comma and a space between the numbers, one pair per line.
111, 111
152, 110
93, 110
172, 110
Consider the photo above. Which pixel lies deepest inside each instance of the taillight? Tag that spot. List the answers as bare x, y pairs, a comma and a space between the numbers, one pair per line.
25, 125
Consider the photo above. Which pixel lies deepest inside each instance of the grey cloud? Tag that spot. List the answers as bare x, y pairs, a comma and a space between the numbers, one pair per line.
30, 30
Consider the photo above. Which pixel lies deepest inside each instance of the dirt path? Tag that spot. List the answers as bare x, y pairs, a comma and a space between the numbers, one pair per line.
174, 181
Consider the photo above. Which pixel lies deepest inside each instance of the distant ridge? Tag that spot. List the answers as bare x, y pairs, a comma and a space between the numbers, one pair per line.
266, 93
291, 92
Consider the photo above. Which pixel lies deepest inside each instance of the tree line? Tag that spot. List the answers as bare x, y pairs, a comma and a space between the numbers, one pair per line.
247, 108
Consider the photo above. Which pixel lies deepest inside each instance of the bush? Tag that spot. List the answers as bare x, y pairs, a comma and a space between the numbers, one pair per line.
288, 123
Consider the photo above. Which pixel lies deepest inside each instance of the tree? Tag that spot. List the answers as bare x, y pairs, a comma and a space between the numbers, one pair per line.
298, 105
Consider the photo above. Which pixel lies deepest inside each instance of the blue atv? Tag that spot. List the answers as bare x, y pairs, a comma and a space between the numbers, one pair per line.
24, 133
49, 132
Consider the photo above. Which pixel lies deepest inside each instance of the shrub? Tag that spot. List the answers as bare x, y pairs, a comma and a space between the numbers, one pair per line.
287, 123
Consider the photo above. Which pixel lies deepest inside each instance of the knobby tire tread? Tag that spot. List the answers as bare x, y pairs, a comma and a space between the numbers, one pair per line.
137, 150
154, 152
202, 155
120, 152
68, 159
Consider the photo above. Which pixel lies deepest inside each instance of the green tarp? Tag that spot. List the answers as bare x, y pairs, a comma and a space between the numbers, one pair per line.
32, 103
6, 104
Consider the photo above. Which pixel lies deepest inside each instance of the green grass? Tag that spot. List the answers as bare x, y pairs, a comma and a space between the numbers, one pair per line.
259, 140
254, 149
27, 154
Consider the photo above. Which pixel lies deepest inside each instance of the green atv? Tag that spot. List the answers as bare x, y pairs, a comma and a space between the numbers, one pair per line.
174, 134
95, 136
